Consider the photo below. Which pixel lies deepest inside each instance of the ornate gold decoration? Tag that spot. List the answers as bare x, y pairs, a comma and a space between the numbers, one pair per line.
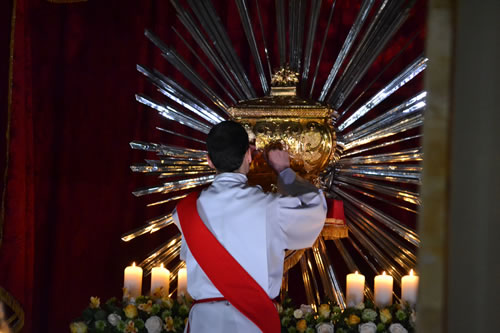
292, 257
285, 77
330, 231
302, 127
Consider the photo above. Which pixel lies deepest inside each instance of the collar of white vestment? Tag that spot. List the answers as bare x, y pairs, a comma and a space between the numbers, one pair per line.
232, 177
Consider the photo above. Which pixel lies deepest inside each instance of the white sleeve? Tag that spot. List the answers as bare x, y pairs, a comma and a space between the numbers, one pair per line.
301, 217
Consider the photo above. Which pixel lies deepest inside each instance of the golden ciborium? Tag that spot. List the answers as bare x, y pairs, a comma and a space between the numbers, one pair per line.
302, 127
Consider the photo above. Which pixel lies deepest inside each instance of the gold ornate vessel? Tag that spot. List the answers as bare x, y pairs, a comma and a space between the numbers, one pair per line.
304, 128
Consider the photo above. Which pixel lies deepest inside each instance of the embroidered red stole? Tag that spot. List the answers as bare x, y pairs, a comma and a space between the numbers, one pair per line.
226, 274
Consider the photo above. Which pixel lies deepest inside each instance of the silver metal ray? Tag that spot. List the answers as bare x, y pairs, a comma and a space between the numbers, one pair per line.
351, 265
404, 77
349, 41
180, 135
327, 274
219, 64
209, 71
393, 173
280, 25
151, 226
247, 27
296, 19
178, 62
166, 200
379, 75
173, 276
390, 222
174, 186
386, 22
166, 160
403, 125
394, 191
413, 105
314, 11
164, 254
169, 150
372, 195
407, 155
400, 251
323, 43
176, 169
311, 287
211, 23
263, 39
179, 95
381, 145
365, 257
379, 257
171, 114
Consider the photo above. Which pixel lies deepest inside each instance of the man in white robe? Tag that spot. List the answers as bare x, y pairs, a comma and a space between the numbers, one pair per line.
253, 226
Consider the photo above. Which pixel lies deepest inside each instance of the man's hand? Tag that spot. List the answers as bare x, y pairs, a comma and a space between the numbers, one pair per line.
279, 160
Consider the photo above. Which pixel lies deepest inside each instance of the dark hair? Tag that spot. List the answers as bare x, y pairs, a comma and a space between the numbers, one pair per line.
227, 144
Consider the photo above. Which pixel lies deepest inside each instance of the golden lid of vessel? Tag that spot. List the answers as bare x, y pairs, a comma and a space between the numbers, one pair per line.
302, 127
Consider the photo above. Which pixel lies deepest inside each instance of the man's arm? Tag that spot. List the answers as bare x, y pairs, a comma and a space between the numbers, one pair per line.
301, 213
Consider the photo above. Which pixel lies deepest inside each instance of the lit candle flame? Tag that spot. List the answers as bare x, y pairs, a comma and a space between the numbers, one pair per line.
356, 272
161, 265
383, 273
411, 272
133, 264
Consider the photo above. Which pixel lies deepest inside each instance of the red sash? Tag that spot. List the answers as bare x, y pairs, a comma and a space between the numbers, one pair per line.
226, 274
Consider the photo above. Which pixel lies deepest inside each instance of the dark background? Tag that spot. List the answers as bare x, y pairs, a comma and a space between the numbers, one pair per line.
66, 156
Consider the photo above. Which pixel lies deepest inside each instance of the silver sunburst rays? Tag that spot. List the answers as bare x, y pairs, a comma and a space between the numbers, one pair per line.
377, 165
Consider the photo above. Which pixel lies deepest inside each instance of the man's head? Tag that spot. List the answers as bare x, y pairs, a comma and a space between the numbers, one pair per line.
227, 146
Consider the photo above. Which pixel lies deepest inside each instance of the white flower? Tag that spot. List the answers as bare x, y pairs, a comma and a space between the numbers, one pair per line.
413, 318
397, 328
113, 319
360, 306
154, 324
306, 308
298, 314
367, 328
325, 328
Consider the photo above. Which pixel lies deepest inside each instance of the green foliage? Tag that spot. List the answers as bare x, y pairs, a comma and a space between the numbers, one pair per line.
95, 317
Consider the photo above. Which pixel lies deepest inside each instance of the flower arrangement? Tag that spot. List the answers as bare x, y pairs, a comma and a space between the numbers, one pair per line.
160, 315
144, 315
363, 318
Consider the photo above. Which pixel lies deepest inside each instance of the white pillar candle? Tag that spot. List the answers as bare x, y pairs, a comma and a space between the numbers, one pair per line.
409, 289
160, 281
182, 282
133, 280
383, 290
355, 289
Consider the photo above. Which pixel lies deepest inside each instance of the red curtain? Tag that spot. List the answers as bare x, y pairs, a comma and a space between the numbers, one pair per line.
73, 113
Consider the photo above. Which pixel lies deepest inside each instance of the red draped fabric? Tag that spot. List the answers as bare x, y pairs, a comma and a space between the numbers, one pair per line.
66, 155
